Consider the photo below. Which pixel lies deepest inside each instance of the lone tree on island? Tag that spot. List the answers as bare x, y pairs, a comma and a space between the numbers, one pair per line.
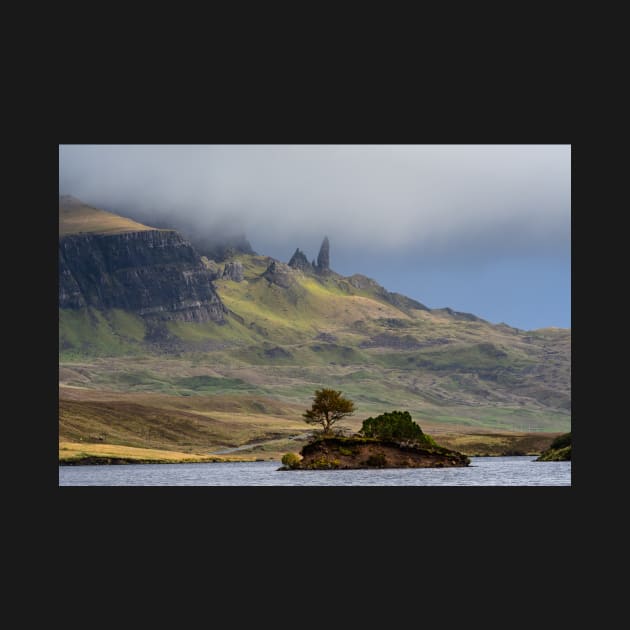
328, 407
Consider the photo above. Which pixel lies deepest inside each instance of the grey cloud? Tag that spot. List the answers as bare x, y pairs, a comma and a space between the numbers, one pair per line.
436, 198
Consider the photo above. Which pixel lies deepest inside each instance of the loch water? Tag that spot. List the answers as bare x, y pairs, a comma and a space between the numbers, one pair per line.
483, 471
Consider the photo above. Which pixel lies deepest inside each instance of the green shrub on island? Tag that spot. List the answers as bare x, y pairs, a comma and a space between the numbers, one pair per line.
559, 450
290, 460
397, 426
561, 441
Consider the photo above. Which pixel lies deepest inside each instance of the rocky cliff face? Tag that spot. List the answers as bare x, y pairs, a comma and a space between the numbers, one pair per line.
154, 273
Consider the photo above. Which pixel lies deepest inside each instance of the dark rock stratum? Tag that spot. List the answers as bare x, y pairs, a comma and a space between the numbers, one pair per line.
154, 273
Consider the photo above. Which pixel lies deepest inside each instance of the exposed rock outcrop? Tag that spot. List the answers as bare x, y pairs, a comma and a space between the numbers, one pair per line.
233, 271
279, 273
404, 303
327, 337
469, 317
213, 267
300, 261
359, 281
387, 340
323, 258
277, 353
322, 265
154, 273
219, 247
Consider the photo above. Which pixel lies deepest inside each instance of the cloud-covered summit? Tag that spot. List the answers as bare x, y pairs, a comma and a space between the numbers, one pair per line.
480, 228
377, 196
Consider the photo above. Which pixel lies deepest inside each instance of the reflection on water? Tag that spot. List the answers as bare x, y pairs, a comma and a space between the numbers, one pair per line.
483, 471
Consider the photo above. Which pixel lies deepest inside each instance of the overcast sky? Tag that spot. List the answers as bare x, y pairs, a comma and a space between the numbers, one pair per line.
479, 228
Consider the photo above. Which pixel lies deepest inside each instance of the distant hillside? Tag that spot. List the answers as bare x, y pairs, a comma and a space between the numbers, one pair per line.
277, 331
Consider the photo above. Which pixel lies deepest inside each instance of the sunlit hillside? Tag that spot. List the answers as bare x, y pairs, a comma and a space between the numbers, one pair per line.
198, 387
76, 217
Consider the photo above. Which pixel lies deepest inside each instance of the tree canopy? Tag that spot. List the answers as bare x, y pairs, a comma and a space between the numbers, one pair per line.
395, 425
328, 407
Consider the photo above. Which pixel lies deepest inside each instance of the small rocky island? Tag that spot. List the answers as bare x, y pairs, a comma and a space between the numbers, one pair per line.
355, 452
391, 440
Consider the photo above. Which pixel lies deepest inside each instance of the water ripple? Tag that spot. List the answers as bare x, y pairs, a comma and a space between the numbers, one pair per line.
483, 471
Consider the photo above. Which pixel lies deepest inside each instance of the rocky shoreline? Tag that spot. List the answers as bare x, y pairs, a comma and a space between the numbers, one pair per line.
348, 453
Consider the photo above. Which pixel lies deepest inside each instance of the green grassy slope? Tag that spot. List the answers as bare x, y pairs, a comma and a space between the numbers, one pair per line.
284, 341
290, 332
76, 217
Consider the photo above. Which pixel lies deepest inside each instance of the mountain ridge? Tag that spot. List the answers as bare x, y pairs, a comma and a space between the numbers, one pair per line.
284, 330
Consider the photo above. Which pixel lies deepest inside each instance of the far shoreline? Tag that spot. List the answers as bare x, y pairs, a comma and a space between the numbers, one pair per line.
472, 445
112, 461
